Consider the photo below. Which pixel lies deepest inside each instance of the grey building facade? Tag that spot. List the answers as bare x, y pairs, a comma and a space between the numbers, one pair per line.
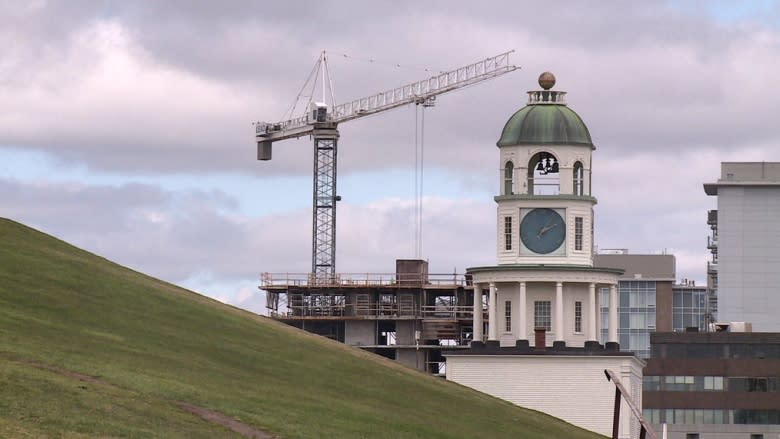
748, 243
650, 300
645, 298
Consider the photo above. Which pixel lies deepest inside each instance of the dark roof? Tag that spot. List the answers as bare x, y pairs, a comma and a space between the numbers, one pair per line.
715, 337
492, 348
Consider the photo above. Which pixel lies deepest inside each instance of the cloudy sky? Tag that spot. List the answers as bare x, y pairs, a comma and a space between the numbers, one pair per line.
126, 127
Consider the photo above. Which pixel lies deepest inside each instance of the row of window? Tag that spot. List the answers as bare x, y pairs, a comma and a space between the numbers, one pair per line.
711, 416
542, 315
697, 436
578, 221
544, 172
769, 351
711, 383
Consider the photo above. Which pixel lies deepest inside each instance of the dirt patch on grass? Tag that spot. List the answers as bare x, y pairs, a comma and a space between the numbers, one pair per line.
225, 421
65, 372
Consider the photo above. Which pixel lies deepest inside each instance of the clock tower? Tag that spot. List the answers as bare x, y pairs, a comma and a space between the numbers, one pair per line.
545, 205
539, 339
544, 279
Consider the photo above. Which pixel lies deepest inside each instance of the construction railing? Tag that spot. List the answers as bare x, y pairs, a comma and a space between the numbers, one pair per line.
362, 280
448, 311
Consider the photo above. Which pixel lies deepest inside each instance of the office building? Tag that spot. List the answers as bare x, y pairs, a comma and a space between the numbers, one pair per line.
716, 385
747, 235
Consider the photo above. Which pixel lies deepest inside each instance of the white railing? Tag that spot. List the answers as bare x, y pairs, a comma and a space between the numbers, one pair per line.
546, 97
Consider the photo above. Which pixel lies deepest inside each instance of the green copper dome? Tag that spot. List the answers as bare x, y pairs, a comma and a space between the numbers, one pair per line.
545, 124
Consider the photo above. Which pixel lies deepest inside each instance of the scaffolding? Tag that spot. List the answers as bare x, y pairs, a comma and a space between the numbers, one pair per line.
410, 316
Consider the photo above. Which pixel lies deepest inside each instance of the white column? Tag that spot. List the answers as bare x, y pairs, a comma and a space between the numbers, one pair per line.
521, 314
613, 314
558, 319
492, 324
592, 314
477, 312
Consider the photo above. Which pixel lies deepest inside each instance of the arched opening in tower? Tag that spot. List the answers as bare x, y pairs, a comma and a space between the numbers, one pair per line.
543, 174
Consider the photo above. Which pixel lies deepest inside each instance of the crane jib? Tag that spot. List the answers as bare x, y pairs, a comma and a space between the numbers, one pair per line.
407, 94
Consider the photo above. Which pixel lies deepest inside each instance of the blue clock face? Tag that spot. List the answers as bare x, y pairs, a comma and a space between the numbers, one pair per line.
542, 231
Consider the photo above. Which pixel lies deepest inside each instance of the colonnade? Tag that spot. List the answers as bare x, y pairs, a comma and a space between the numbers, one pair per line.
557, 318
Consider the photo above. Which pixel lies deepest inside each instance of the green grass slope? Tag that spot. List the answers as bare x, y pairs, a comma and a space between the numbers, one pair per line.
64, 311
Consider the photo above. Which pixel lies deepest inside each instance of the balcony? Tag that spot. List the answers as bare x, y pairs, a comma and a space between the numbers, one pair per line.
712, 217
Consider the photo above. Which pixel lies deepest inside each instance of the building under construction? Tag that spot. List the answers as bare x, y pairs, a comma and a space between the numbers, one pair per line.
410, 316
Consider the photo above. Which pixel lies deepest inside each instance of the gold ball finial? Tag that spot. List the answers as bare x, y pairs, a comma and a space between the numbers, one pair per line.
547, 80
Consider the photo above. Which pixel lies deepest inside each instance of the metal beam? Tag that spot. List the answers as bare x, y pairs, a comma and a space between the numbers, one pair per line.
645, 429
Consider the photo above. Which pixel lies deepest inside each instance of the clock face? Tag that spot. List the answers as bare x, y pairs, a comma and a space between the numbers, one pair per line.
542, 230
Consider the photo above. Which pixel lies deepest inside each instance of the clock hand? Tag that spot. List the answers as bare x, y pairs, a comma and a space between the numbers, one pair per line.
547, 229
544, 229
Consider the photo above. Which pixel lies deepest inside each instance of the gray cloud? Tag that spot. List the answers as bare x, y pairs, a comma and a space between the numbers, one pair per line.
172, 87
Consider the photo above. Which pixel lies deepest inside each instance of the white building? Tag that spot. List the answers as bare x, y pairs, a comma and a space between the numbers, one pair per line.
545, 282
748, 243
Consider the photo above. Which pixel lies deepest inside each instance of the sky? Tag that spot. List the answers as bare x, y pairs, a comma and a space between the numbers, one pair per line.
126, 127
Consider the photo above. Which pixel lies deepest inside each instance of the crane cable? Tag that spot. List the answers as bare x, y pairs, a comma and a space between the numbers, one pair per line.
422, 177
313, 74
419, 166
416, 182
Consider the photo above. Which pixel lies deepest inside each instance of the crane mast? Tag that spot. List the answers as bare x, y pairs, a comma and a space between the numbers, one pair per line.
321, 124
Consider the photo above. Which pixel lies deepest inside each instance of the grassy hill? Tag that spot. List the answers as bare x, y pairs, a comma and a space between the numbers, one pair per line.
92, 349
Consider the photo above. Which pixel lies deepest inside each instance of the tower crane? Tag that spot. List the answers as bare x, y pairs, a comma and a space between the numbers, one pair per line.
321, 123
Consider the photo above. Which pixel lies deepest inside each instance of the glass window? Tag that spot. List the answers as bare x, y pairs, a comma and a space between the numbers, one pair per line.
650, 382
578, 233
542, 315
638, 321
578, 316
624, 320
507, 233
717, 417
509, 171
508, 315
